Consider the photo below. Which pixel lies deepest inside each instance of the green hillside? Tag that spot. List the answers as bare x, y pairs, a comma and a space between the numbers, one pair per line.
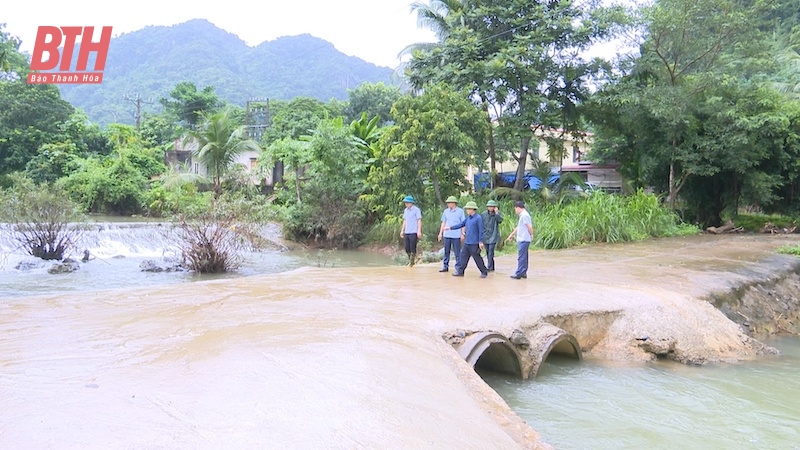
151, 61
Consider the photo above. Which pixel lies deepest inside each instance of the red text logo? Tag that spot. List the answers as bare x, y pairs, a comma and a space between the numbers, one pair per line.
49, 39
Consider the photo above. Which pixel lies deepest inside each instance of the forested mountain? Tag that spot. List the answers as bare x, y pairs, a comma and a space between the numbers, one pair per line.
151, 61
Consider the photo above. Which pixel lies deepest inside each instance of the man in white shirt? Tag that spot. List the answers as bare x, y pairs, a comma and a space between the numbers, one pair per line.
524, 233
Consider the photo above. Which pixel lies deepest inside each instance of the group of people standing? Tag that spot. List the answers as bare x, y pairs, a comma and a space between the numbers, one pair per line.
477, 231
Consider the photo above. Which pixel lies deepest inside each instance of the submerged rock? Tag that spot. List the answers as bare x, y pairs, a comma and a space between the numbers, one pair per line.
66, 266
29, 265
151, 265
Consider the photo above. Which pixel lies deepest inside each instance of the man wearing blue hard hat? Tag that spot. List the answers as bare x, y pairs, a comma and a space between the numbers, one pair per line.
411, 231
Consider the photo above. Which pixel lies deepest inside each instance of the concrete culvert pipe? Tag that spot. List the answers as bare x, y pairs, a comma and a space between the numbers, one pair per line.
493, 352
546, 339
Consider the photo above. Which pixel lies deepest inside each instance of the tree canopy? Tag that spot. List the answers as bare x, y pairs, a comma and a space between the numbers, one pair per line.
519, 59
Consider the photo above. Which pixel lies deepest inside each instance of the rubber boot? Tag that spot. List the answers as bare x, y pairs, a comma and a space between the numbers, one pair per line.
410, 261
413, 259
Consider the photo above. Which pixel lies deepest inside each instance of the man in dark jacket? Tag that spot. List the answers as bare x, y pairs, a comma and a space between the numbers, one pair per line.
473, 226
492, 218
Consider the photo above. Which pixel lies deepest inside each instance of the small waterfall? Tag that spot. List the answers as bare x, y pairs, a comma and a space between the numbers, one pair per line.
119, 239
107, 240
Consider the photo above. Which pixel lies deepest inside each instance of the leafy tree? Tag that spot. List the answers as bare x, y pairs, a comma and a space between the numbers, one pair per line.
291, 152
334, 180
220, 140
436, 135
297, 118
367, 133
52, 162
520, 56
11, 60
31, 115
291, 121
87, 136
115, 183
686, 115
188, 104
109, 185
372, 99
157, 130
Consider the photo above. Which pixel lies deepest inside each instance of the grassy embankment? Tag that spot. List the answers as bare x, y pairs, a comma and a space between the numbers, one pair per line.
598, 218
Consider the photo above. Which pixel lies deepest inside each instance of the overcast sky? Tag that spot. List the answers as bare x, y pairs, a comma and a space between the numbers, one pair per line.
373, 30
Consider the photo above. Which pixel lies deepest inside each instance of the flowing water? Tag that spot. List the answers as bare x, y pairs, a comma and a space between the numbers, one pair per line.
334, 363
597, 405
118, 249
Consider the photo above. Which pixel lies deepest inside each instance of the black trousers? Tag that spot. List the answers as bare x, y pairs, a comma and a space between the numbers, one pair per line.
410, 242
467, 251
489, 255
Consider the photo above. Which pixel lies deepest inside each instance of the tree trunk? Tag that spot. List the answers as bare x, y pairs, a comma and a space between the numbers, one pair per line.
522, 161
436, 189
492, 152
672, 191
297, 183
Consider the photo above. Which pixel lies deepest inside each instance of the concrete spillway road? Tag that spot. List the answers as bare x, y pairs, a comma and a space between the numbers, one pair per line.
341, 358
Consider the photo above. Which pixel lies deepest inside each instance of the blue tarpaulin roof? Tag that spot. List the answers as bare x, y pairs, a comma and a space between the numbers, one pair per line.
482, 180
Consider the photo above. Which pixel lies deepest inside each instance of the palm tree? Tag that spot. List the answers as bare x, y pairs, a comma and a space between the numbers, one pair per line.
219, 141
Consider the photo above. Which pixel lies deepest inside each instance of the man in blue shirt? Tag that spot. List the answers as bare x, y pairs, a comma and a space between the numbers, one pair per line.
411, 230
452, 215
473, 226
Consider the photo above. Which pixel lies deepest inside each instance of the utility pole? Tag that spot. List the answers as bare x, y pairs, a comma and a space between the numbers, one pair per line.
137, 101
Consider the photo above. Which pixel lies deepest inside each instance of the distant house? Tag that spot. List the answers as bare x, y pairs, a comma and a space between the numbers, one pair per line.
256, 122
605, 177
183, 158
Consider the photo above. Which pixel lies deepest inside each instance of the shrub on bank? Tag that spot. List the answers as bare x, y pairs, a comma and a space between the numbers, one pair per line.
42, 220
607, 218
599, 217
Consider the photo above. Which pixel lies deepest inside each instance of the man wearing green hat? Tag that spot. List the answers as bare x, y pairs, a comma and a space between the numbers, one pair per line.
452, 215
492, 218
473, 226
411, 230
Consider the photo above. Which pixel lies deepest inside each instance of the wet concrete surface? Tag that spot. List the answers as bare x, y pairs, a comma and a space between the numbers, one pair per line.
344, 357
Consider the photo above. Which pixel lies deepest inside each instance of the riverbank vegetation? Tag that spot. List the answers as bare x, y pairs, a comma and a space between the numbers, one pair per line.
710, 126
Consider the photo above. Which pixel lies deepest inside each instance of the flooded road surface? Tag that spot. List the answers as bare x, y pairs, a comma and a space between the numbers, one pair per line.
332, 358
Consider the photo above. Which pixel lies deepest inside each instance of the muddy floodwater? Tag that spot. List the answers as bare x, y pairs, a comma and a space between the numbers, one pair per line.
354, 357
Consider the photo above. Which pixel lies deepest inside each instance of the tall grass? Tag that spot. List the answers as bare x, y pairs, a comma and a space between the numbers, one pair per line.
600, 217
387, 231
605, 218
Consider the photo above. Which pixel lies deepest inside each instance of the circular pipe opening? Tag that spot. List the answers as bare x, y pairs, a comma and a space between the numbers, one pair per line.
500, 358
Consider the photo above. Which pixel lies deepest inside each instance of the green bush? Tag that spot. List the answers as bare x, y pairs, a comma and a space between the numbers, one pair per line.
109, 186
790, 250
165, 201
605, 218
